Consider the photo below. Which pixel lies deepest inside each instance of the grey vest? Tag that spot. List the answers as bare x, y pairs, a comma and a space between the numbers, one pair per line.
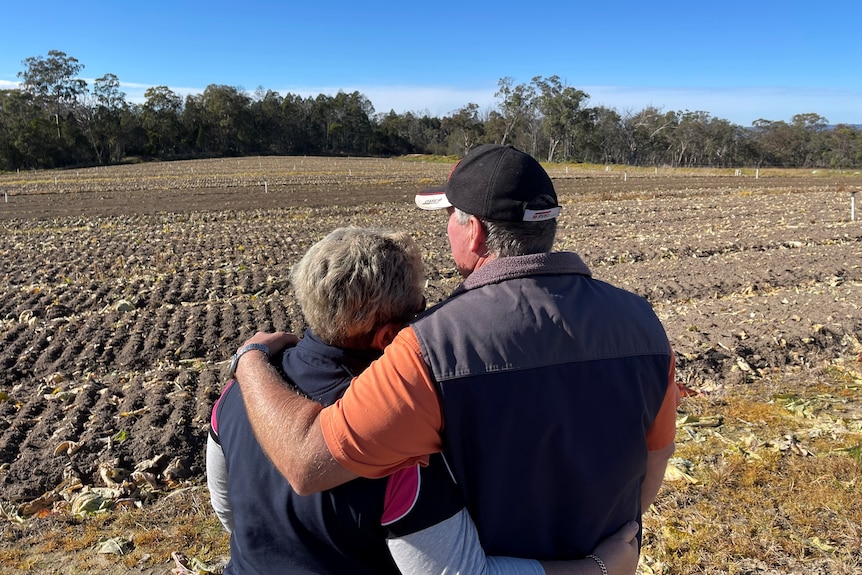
548, 381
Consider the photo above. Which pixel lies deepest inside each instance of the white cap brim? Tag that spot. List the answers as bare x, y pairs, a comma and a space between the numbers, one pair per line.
432, 200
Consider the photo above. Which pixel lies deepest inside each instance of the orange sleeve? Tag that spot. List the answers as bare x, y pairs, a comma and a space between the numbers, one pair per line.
390, 416
663, 430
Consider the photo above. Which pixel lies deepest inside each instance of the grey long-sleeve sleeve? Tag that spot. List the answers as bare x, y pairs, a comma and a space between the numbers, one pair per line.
451, 547
217, 483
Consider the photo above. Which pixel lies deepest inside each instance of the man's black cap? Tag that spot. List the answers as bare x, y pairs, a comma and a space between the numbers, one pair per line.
498, 183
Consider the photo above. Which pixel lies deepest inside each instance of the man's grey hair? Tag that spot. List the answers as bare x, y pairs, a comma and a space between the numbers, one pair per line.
507, 239
358, 279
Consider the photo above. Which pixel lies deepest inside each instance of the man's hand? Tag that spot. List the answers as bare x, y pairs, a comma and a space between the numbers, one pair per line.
275, 340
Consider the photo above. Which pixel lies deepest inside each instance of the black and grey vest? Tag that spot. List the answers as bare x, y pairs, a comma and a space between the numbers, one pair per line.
548, 381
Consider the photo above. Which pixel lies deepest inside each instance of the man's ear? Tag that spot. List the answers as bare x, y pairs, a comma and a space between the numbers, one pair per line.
384, 335
478, 235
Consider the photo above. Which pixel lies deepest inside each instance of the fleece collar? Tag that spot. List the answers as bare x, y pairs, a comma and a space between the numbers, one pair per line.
502, 269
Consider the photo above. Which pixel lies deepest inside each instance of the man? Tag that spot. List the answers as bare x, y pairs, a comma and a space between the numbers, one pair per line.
357, 288
551, 394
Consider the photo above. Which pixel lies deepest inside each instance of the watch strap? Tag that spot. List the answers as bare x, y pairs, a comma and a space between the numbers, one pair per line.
234, 362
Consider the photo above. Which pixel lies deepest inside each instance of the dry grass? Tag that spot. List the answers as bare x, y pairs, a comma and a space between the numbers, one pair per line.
182, 522
775, 488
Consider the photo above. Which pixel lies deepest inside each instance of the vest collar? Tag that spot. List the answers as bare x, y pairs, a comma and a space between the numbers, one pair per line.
502, 269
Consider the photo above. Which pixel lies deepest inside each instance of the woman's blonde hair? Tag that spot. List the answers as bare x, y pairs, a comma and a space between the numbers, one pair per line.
355, 280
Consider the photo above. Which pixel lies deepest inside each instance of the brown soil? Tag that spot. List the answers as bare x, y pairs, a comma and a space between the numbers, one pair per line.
122, 303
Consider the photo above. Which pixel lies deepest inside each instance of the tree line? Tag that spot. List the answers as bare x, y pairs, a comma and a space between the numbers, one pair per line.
57, 120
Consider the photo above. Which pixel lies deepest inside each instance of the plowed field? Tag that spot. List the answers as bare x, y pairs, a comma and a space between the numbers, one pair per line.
125, 290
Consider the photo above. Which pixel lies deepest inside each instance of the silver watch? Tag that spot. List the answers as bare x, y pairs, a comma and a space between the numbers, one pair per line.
240, 352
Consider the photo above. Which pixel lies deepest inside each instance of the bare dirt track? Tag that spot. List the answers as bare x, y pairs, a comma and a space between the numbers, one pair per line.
125, 290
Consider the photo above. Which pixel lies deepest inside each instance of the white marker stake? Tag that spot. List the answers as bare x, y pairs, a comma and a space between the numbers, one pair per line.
852, 206
265, 188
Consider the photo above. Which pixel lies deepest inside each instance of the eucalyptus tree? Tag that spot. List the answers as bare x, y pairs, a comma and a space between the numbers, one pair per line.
464, 129
517, 104
688, 138
161, 118
803, 142
54, 81
105, 119
226, 121
844, 147
724, 143
25, 132
320, 118
267, 121
426, 133
392, 134
605, 142
495, 127
646, 136
562, 116
774, 142
297, 124
350, 128
809, 141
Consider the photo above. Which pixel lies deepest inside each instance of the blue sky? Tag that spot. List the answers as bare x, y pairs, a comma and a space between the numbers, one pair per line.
737, 60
